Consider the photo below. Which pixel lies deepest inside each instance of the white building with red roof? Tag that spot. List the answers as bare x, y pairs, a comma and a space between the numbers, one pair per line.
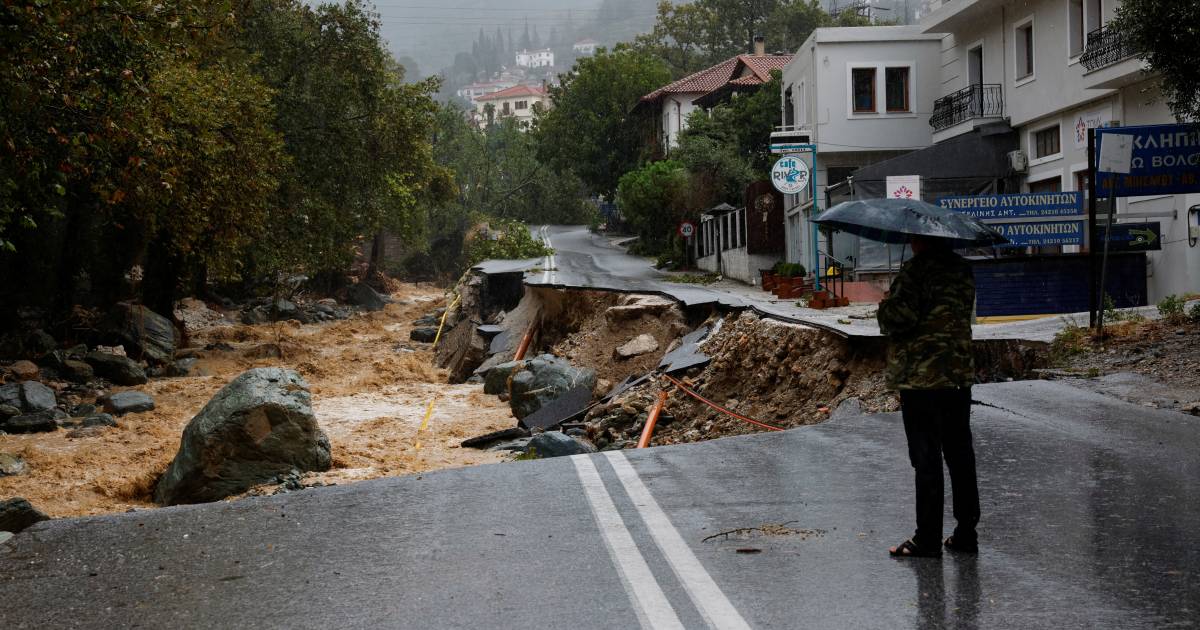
517, 102
675, 101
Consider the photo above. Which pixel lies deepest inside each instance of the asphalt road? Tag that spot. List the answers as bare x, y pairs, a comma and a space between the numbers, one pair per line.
1091, 520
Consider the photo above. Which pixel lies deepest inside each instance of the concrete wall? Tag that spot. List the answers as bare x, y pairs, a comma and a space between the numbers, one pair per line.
675, 110
738, 264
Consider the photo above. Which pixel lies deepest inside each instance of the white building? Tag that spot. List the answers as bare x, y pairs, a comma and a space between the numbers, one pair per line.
1050, 69
585, 46
674, 102
543, 58
517, 102
861, 95
475, 90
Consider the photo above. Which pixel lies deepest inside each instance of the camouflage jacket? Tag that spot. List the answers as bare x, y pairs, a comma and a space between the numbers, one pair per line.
927, 320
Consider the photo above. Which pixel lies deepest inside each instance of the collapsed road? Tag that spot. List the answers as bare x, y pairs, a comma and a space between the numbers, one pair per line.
767, 531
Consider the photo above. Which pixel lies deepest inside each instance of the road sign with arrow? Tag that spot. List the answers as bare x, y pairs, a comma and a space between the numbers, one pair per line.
1131, 237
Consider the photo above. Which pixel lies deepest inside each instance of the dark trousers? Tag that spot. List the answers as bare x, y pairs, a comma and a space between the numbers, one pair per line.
937, 423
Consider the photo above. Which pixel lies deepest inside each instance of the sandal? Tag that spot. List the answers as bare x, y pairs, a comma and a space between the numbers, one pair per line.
909, 549
960, 547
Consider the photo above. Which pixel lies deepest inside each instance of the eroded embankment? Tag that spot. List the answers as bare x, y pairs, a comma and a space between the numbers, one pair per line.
779, 373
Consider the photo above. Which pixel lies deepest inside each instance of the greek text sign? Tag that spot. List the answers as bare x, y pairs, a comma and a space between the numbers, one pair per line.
790, 175
1165, 161
1020, 206
1041, 233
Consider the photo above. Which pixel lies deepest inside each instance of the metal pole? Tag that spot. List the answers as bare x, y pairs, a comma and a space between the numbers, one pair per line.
1112, 206
814, 210
1093, 297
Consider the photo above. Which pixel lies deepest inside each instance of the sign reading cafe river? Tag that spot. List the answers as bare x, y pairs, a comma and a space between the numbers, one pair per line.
1029, 219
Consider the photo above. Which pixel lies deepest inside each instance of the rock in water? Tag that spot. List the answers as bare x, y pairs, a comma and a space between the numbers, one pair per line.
642, 344
143, 332
555, 444
423, 334
116, 368
36, 422
362, 295
17, 514
543, 380
11, 465
259, 426
24, 370
122, 403
28, 397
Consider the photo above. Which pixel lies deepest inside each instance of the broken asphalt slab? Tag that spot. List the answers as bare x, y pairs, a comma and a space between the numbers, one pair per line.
1089, 521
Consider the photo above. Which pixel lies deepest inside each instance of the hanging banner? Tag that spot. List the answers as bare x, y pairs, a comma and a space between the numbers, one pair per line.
1165, 160
1018, 206
903, 186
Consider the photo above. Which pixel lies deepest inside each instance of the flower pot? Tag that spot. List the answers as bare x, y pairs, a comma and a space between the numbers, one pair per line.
768, 279
783, 287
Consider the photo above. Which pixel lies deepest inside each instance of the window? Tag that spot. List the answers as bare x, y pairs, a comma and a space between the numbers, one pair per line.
1081, 183
789, 108
1024, 42
802, 106
896, 89
975, 65
522, 105
1075, 22
863, 84
1045, 142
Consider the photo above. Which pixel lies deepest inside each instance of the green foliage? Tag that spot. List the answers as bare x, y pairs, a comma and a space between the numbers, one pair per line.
589, 130
1171, 308
693, 278
1194, 313
654, 196
505, 240
1071, 341
1164, 33
790, 270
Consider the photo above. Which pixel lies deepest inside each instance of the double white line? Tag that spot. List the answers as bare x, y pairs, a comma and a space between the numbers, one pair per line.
645, 593
548, 261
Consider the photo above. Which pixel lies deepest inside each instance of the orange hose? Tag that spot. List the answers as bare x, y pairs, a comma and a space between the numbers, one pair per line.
723, 410
525, 341
651, 420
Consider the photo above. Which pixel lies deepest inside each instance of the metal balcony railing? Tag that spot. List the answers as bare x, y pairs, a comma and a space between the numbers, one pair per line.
1105, 46
974, 101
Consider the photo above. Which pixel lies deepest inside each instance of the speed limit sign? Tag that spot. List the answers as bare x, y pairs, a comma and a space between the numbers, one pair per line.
687, 229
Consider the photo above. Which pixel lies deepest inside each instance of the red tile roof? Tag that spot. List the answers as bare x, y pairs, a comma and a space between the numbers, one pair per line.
513, 92
728, 71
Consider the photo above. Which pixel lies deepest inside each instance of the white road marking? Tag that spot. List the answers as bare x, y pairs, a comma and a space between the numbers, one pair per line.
712, 603
649, 601
548, 263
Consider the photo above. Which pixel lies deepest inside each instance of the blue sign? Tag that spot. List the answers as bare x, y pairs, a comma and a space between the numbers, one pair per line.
1131, 237
1166, 161
1021, 206
1033, 234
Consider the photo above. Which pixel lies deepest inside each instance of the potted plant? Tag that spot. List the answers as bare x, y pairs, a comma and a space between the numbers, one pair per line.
768, 278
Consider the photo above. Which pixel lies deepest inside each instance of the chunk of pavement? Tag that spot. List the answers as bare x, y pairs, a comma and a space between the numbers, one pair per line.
257, 427
143, 332
23, 370
639, 345
495, 380
544, 379
361, 294
489, 439
122, 403
17, 514
636, 306
36, 422
116, 368
11, 465
27, 397
556, 444
425, 334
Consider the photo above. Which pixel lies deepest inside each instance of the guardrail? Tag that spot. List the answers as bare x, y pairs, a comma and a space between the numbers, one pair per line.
978, 100
1105, 47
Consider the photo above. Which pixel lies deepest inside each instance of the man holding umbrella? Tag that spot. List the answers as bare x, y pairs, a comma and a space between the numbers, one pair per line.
926, 317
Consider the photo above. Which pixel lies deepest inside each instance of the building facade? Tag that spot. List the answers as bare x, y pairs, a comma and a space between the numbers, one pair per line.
1048, 70
543, 58
861, 95
518, 102
585, 47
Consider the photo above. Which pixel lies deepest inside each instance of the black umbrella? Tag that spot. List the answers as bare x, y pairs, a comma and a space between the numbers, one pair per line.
896, 220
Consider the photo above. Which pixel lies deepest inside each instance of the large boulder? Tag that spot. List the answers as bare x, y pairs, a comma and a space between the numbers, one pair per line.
361, 294
116, 368
17, 514
11, 465
556, 444
424, 334
258, 427
29, 397
642, 344
542, 380
35, 422
143, 332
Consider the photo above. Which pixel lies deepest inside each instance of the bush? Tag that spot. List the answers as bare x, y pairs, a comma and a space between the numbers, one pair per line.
1194, 313
504, 240
1171, 308
789, 270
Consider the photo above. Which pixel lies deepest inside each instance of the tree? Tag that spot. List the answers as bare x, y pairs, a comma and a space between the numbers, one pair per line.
652, 199
590, 129
1164, 33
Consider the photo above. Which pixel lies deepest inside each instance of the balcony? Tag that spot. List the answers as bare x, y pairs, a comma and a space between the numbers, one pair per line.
974, 101
1110, 61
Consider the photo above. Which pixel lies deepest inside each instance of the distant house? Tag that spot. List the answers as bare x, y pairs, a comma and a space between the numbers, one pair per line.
543, 58
674, 102
517, 102
586, 46
475, 90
